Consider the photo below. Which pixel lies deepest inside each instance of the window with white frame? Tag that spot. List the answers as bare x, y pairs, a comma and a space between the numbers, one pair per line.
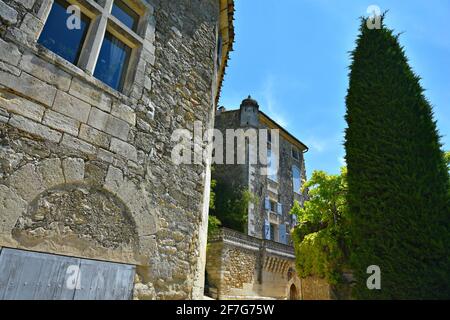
272, 166
101, 37
296, 179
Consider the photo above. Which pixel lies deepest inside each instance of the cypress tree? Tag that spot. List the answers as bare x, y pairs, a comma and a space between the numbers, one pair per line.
398, 183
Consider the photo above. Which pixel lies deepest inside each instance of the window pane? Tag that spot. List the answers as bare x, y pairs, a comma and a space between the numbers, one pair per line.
112, 62
273, 206
58, 38
273, 166
295, 154
125, 14
296, 179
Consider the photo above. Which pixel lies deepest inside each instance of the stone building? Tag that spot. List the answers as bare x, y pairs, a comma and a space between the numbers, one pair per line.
90, 93
259, 263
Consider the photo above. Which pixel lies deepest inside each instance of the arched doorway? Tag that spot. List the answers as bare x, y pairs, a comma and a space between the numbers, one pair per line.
293, 294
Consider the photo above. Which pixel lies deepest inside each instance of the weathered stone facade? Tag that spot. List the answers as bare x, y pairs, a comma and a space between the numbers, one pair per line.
244, 267
249, 176
86, 170
264, 264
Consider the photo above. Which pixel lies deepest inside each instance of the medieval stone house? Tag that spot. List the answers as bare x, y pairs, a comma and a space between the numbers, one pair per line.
261, 262
91, 205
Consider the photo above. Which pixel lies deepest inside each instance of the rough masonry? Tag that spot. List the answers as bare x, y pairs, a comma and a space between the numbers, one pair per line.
85, 170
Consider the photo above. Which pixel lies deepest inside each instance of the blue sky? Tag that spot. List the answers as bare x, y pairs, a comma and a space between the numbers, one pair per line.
292, 56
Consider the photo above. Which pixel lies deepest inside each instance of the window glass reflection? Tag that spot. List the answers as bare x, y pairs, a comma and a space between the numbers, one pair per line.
112, 62
57, 37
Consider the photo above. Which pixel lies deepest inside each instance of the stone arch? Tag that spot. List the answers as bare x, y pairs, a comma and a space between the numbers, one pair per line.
79, 214
293, 282
33, 180
293, 292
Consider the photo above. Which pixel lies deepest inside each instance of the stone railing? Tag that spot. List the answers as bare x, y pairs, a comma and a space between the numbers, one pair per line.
278, 247
245, 241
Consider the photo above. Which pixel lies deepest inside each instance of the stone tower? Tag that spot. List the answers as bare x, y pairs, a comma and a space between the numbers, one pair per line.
86, 118
249, 111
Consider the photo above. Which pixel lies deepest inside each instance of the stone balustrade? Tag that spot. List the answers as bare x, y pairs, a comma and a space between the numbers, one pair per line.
251, 243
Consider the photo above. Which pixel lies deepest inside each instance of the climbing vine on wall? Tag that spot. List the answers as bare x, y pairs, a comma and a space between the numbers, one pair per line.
321, 236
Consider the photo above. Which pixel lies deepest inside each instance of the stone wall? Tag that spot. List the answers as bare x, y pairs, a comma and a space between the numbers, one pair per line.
86, 170
230, 269
244, 267
281, 190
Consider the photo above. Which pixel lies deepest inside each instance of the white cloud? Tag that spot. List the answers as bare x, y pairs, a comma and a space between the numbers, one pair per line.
270, 102
316, 144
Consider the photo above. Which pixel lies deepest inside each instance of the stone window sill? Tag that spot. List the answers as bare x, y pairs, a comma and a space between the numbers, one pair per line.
73, 70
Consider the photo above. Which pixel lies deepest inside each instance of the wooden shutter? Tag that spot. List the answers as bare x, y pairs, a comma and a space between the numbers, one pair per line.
279, 208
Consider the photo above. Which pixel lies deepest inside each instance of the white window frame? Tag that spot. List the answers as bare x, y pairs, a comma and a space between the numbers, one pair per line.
293, 179
102, 20
273, 166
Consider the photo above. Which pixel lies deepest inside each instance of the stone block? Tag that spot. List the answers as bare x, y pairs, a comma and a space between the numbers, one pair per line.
123, 149
139, 206
98, 119
12, 206
7, 14
44, 10
45, 71
9, 68
29, 86
27, 182
113, 180
77, 144
31, 26
91, 95
73, 169
94, 136
61, 122
21, 106
15, 34
71, 107
105, 155
148, 83
124, 113
51, 172
117, 128
35, 128
9, 52
27, 3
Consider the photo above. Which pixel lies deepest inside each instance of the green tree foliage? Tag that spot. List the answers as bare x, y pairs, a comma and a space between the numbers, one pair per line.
213, 222
321, 236
213, 226
397, 177
212, 195
231, 206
